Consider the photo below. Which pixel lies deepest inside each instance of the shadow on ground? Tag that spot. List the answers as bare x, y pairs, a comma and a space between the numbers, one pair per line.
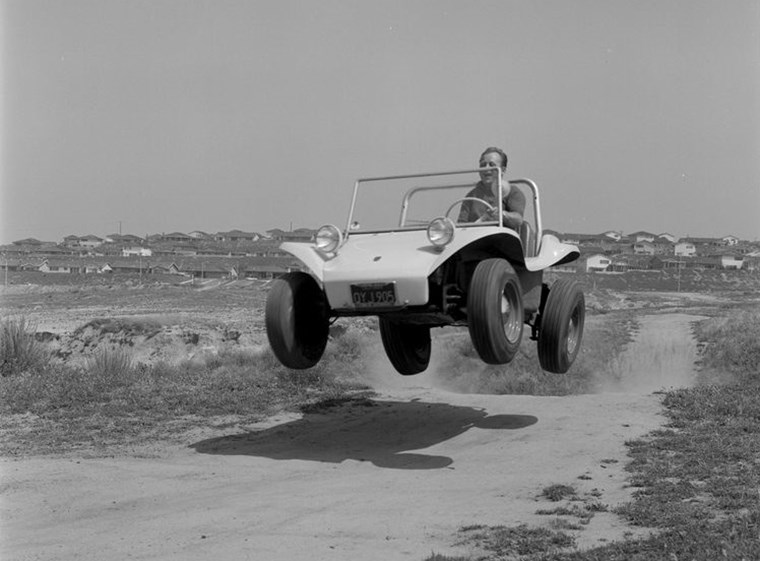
381, 432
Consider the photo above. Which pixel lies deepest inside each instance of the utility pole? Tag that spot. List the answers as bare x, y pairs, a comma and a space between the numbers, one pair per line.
678, 266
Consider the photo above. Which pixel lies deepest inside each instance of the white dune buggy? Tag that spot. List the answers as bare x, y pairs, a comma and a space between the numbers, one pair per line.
403, 258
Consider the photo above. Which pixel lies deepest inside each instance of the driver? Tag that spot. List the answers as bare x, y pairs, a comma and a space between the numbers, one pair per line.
513, 203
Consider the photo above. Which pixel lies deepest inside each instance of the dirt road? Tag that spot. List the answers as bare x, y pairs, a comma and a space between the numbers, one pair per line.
390, 478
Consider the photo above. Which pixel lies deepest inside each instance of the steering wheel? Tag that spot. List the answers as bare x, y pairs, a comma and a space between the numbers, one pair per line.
488, 205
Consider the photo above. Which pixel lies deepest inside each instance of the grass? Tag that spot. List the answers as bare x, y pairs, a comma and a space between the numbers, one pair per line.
697, 480
502, 541
110, 400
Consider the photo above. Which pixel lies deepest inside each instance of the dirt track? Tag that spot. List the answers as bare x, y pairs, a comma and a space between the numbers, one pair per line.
391, 478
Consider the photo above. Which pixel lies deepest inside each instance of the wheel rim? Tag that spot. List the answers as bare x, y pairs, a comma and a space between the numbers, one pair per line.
509, 312
573, 331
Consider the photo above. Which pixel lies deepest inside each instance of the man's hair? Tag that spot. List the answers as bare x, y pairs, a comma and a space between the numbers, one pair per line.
499, 151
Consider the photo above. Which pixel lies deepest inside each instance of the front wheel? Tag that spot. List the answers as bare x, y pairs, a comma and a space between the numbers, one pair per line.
495, 313
407, 346
297, 320
561, 327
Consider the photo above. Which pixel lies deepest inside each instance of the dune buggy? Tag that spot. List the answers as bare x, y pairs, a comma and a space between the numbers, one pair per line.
404, 258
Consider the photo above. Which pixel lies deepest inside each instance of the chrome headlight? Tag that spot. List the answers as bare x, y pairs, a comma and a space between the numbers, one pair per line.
440, 231
328, 238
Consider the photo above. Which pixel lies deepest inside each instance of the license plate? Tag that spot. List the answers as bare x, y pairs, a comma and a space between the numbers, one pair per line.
373, 295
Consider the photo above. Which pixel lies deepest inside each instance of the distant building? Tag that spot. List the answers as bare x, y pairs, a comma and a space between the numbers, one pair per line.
643, 248
731, 261
597, 263
136, 251
90, 241
642, 237
685, 249
236, 236
730, 240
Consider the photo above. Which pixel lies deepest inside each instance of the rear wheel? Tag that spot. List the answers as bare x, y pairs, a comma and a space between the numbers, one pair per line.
407, 345
495, 314
297, 320
561, 327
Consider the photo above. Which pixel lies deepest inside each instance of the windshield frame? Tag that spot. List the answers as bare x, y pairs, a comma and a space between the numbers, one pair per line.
411, 192
531, 186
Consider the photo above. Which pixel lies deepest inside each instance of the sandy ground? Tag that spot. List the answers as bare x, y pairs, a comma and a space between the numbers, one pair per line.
391, 478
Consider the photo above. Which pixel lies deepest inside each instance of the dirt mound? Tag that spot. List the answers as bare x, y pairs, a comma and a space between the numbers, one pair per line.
149, 340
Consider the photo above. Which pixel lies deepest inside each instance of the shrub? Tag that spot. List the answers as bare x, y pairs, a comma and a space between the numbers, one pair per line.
110, 363
19, 350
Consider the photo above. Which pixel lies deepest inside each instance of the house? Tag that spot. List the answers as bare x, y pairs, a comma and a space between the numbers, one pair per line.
126, 265
71, 241
730, 240
643, 248
663, 245
673, 263
236, 236
702, 263
266, 271
297, 235
176, 237
642, 237
165, 269
90, 241
622, 263
199, 235
685, 249
136, 251
597, 263
731, 261
703, 245
208, 267
28, 241
58, 266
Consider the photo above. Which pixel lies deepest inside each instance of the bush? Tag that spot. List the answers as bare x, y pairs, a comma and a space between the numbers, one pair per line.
19, 350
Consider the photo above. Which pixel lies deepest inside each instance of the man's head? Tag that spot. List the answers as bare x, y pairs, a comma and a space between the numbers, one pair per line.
492, 157
488, 157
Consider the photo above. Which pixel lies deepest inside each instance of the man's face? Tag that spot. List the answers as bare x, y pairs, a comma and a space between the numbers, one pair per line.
490, 160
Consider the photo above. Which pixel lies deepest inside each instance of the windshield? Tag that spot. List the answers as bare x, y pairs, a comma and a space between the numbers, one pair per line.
411, 202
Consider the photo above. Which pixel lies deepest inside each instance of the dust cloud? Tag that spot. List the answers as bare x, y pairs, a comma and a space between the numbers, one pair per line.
661, 356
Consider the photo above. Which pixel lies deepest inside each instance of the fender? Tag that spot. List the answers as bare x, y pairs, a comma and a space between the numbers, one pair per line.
552, 252
307, 254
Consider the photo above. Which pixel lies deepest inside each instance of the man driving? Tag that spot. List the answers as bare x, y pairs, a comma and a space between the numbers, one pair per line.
494, 162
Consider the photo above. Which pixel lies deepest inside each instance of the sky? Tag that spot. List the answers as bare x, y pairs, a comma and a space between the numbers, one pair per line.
151, 116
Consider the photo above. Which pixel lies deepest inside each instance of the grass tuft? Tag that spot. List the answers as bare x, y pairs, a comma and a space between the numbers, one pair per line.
506, 542
19, 349
558, 492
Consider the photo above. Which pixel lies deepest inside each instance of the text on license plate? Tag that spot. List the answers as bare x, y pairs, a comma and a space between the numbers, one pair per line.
373, 295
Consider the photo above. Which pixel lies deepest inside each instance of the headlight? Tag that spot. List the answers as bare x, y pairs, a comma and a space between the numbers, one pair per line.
440, 231
328, 238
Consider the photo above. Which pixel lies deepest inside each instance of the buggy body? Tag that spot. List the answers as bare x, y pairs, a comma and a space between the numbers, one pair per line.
404, 257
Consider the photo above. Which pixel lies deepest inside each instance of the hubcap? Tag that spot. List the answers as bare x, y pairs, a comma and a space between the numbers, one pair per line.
509, 308
573, 329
